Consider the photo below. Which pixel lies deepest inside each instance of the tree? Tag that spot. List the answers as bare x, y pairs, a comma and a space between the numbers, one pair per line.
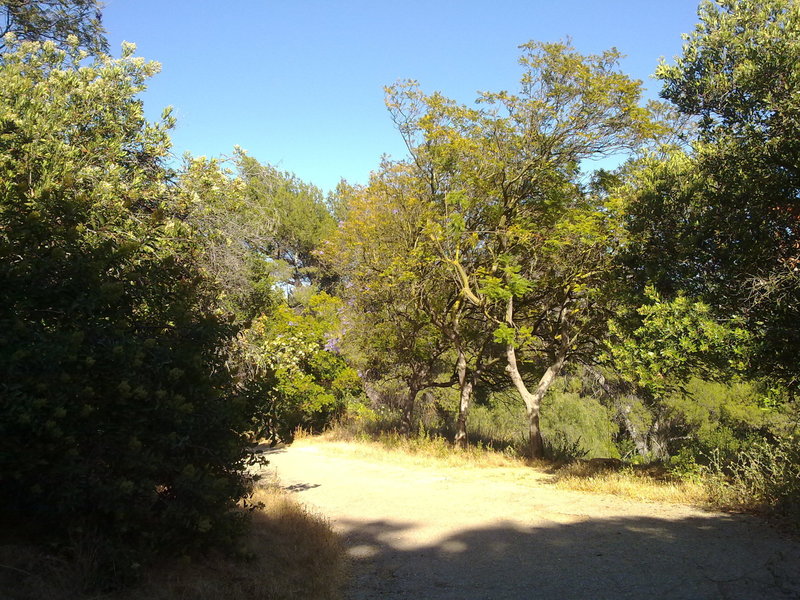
393, 289
300, 219
721, 220
236, 230
520, 235
54, 20
119, 426
672, 343
260, 229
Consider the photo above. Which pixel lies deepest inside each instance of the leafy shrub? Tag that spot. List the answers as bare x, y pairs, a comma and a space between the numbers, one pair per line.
118, 428
499, 425
578, 426
685, 466
560, 448
300, 380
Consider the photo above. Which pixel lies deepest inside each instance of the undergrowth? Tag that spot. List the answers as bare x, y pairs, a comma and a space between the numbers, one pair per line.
763, 477
288, 554
639, 482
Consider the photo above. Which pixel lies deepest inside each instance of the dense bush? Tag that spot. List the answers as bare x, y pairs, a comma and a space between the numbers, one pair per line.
118, 429
575, 426
298, 378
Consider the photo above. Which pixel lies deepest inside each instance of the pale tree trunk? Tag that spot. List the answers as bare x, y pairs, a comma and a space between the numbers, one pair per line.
533, 401
659, 439
465, 385
465, 382
623, 406
639, 438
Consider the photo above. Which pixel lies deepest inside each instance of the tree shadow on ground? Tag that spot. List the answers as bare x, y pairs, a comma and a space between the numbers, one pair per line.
719, 557
267, 448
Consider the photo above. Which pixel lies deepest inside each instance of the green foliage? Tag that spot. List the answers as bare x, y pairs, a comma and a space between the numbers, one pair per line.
719, 420
296, 351
576, 426
399, 306
509, 220
716, 411
117, 419
54, 20
719, 220
655, 353
299, 219
498, 424
260, 229
673, 341
236, 231
765, 475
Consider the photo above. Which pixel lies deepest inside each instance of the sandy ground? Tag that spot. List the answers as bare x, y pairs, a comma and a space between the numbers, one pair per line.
421, 532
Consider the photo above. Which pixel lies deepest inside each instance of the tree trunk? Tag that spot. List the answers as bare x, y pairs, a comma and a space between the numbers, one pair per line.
465, 385
658, 438
638, 437
533, 400
407, 424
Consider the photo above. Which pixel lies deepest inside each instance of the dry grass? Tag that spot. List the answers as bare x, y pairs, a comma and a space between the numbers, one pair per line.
295, 556
639, 483
422, 450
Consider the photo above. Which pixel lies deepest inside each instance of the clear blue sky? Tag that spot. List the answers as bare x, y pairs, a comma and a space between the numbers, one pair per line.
299, 83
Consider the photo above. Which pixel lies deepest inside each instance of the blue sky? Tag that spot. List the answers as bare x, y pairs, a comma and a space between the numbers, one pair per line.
299, 83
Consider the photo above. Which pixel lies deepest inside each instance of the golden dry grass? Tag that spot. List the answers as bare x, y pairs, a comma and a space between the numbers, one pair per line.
421, 451
629, 482
295, 556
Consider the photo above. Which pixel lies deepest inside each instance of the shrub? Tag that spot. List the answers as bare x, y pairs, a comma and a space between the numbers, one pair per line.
765, 475
576, 426
118, 429
299, 378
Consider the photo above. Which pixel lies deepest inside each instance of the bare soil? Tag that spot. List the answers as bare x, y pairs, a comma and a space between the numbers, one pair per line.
434, 531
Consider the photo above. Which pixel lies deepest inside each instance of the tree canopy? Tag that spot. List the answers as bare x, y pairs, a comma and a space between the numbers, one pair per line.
720, 221
55, 21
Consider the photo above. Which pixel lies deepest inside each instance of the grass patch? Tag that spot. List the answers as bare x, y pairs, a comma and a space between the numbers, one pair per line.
639, 482
426, 450
290, 554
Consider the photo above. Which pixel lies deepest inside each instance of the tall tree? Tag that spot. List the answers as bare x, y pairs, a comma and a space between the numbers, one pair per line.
299, 216
520, 236
235, 230
721, 220
392, 286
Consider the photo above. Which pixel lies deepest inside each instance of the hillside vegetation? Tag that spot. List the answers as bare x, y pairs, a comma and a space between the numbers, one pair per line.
159, 318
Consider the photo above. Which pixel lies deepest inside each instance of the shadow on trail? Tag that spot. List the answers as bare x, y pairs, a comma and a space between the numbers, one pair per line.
728, 558
269, 449
300, 487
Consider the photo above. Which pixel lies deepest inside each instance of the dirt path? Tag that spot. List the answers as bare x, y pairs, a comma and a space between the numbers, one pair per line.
506, 533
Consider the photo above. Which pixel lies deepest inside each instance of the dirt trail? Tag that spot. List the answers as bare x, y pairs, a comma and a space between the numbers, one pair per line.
506, 533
